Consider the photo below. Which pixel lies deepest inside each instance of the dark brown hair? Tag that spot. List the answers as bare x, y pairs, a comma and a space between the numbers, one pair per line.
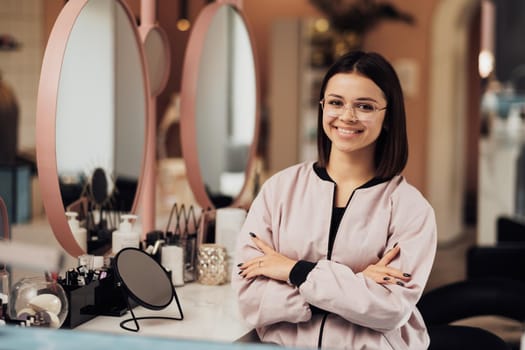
391, 151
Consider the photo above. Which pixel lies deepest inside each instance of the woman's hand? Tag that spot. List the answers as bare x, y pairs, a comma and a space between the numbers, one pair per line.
382, 274
272, 264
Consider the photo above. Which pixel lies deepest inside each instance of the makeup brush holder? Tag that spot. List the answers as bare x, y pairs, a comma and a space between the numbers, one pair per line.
189, 244
99, 297
82, 306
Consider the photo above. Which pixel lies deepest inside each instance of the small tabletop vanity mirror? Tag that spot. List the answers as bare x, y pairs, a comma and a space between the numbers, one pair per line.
219, 105
91, 111
137, 272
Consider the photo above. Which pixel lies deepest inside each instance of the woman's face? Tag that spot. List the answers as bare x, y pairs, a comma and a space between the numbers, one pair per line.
348, 133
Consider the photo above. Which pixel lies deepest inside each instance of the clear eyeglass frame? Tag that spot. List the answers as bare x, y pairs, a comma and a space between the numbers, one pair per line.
361, 110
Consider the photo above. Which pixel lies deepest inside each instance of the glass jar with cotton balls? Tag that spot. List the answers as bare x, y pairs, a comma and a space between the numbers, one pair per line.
38, 302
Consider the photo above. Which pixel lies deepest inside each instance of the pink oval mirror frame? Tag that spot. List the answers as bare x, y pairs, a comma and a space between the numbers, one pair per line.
189, 99
46, 119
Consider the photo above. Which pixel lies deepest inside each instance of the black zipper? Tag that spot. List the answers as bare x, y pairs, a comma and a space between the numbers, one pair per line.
320, 340
323, 174
329, 257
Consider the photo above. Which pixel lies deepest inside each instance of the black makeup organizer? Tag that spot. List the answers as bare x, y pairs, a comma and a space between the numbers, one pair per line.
97, 297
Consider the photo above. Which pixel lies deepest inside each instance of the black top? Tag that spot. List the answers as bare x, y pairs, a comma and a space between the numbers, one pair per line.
302, 268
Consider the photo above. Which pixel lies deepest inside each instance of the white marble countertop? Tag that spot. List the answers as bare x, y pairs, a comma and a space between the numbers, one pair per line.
210, 313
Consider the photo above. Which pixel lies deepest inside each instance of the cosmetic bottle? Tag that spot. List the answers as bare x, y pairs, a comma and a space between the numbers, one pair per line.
172, 259
4, 289
80, 233
125, 236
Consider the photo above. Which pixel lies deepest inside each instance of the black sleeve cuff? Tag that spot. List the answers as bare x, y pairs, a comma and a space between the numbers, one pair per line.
300, 270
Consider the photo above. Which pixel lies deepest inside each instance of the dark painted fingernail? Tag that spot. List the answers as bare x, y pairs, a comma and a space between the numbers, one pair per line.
239, 272
239, 264
386, 278
253, 234
400, 283
395, 245
407, 275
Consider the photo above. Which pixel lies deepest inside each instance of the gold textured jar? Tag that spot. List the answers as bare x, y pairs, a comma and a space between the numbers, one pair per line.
212, 264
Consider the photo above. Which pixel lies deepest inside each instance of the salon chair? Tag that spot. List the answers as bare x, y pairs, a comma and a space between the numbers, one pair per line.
510, 229
478, 297
495, 286
506, 259
450, 337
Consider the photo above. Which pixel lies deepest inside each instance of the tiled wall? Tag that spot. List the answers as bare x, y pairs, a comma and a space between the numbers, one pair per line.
21, 68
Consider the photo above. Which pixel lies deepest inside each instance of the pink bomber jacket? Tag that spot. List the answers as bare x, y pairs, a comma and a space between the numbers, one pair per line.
292, 213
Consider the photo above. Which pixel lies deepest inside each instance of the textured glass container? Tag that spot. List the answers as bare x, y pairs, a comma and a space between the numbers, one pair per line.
212, 264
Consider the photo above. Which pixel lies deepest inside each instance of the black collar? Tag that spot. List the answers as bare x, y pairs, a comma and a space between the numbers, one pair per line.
323, 174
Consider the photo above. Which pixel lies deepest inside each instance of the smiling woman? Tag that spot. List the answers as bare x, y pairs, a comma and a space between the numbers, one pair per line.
348, 223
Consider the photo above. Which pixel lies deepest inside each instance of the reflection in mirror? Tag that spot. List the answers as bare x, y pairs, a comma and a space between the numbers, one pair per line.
223, 110
156, 49
4, 221
99, 213
101, 99
138, 272
100, 116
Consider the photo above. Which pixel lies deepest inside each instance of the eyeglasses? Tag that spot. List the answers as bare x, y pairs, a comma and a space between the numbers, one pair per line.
362, 110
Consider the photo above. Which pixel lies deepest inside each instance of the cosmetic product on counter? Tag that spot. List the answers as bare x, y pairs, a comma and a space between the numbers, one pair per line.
4, 289
125, 236
98, 262
80, 233
184, 234
189, 245
172, 259
154, 242
86, 261
228, 223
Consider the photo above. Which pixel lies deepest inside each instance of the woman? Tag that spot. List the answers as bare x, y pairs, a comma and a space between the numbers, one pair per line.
335, 254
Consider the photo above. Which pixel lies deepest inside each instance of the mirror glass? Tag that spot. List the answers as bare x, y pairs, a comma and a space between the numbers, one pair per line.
100, 118
223, 110
156, 49
100, 115
138, 272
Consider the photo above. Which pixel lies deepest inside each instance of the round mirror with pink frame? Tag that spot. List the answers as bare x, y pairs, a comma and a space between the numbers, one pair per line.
92, 110
219, 105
